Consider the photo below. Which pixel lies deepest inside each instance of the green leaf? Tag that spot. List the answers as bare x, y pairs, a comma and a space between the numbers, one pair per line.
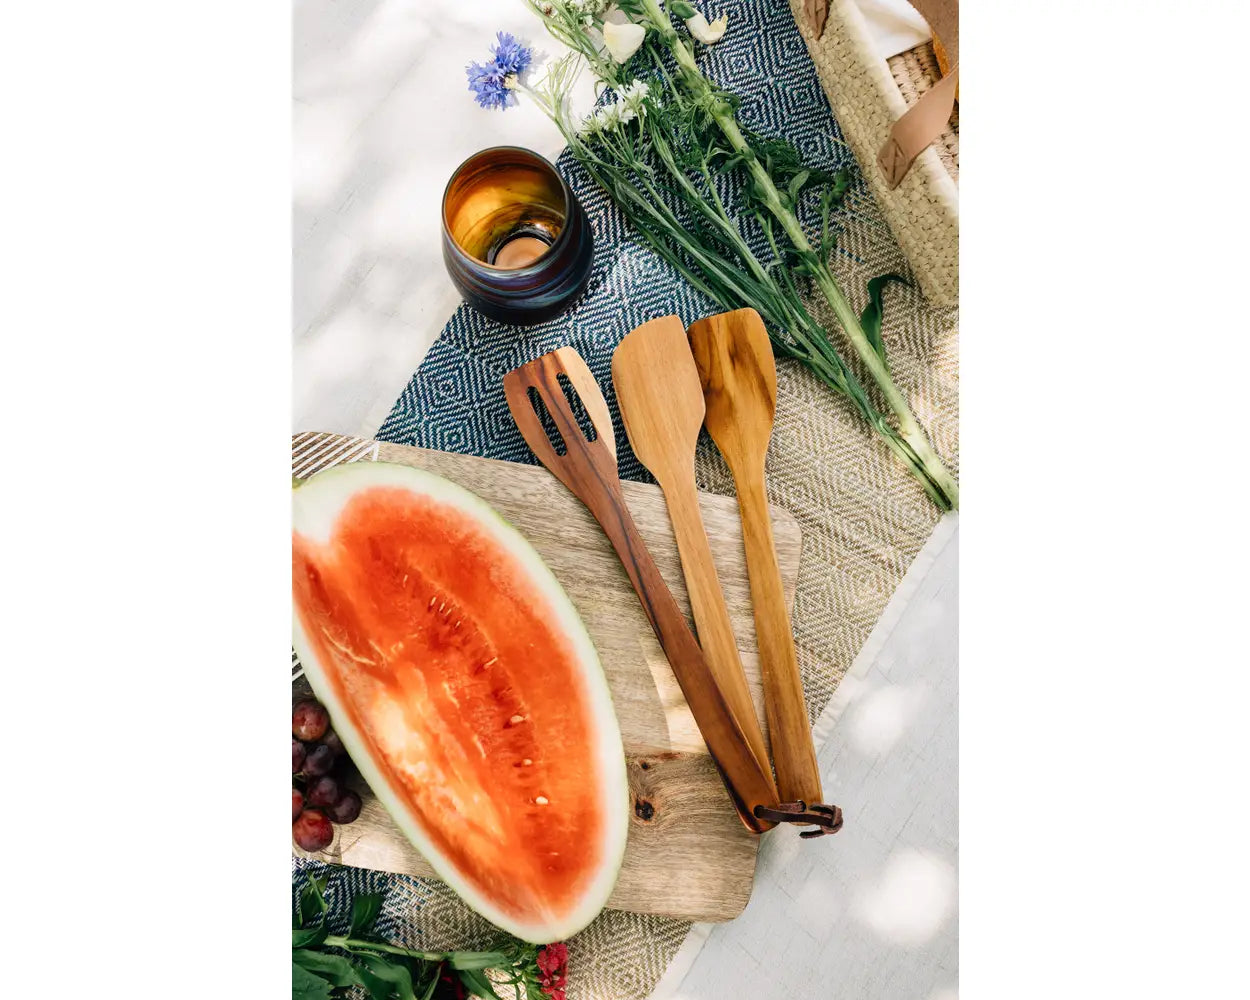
309, 937
477, 959
378, 989
397, 976
870, 319
312, 901
429, 990
831, 195
795, 187
335, 968
477, 984
365, 910
306, 986
839, 185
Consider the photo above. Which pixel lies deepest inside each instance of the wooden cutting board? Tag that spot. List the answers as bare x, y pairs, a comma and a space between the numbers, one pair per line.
687, 854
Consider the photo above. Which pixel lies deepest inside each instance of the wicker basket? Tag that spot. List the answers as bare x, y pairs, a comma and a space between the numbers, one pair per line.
868, 96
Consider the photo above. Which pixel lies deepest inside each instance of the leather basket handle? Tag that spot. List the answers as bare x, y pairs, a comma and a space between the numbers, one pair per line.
925, 120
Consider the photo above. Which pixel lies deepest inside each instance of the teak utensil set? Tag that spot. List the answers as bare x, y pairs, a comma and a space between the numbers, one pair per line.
668, 384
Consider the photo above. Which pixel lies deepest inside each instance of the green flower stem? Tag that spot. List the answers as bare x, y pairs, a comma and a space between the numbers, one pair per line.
913, 434
821, 358
475, 959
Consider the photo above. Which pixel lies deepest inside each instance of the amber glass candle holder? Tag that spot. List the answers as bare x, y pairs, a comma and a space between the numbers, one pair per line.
516, 242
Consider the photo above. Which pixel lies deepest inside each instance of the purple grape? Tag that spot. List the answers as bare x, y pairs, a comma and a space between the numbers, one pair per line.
346, 808
331, 739
309, 720
297, 803
312, 831
319, 761
323, 791
298, 753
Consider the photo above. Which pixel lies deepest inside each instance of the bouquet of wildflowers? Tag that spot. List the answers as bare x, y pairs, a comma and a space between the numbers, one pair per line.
716, 200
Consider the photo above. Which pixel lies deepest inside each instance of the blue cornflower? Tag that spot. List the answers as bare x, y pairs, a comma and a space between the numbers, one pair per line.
491, 81
510, 55
486, 80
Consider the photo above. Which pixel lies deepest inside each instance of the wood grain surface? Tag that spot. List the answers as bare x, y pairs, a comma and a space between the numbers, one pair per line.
735, 363
687, 855
585, 461
661, 403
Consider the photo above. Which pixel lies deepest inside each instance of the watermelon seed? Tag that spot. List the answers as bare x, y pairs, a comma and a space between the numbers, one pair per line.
516, 720
541, 800
526, 762
430, 606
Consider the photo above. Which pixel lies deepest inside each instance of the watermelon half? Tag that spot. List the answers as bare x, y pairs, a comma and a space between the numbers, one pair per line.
464, 686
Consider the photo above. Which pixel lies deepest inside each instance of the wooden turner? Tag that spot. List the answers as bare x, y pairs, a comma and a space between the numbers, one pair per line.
587, 466
739, 377
661, 401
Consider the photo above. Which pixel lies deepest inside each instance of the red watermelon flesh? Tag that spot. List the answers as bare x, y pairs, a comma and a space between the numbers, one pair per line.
465, 688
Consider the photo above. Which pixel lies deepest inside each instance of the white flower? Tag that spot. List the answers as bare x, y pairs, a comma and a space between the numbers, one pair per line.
590, 7
708, 34
609, 117
634, 90
633, 95
627, 107
623, 40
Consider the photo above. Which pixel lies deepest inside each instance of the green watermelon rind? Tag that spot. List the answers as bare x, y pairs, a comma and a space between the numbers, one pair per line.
317, 502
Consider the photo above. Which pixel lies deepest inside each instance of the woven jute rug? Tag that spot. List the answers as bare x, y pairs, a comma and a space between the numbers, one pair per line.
864, 518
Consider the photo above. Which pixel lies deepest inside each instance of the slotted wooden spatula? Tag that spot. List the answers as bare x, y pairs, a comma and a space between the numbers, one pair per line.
587, 466
739, 376
661, 401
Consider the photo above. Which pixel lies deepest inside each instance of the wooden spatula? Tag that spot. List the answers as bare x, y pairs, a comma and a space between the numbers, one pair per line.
739, 377
586, 464
661, 400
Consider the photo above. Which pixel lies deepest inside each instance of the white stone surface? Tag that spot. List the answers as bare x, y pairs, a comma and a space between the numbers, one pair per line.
870, 913
382, 116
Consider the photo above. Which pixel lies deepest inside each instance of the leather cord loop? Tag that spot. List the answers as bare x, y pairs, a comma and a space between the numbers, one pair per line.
826, 819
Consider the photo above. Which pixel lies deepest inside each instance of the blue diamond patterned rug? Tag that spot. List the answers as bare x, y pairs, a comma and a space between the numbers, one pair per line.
455, 401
